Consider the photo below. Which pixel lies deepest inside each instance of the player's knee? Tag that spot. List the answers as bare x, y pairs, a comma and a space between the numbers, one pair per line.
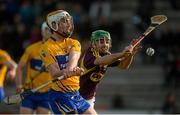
91, 111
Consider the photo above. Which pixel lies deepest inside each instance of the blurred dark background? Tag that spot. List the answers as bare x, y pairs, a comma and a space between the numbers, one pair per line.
151, 85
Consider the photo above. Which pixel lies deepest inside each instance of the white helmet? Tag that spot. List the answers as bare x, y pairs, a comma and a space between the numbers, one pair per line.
44, 26
45, 31
54, 18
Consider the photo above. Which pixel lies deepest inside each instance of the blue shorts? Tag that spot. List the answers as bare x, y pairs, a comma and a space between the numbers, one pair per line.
70, 102
1, 94
35, 100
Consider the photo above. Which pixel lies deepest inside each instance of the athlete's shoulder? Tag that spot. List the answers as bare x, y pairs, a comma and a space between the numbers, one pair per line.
93, 52
48, 43
45, 47
4, 54
33, 46
89, 54
88, 50
72, 40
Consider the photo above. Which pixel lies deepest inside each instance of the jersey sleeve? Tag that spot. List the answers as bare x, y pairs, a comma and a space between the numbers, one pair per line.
47, 56
4, 56
76, 46
25, 56
89, 59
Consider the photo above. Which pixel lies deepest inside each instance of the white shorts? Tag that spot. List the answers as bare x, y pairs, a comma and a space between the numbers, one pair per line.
91, 102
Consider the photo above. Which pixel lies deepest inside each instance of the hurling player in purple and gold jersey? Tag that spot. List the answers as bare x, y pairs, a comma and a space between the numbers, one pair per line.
7, 69
97, 59
36, 75
60, 55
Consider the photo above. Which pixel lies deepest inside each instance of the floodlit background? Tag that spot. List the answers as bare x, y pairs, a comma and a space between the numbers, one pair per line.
150, 85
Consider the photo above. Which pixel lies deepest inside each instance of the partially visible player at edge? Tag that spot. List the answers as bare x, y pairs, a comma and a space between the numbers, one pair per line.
7, 69
35, 76
60, 55
97, 59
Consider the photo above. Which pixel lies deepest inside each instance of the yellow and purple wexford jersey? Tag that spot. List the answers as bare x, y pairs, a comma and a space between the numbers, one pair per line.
55, 51
36, 75
4, 57
93, 73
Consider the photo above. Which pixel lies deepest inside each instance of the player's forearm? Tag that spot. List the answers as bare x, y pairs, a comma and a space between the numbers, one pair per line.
69, 70
14, 65
73, 60
11, 65
19, 82
54, 70
58, 73
108, 59
19, 78
19, 73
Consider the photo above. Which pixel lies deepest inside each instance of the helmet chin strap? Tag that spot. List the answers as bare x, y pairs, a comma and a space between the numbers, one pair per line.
64, 34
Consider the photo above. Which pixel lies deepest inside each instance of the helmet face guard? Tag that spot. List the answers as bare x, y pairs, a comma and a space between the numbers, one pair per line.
99, 34
60, 16
68, 30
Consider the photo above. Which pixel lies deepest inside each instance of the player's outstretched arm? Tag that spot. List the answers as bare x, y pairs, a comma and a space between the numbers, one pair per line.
12, 66
19, 74
108, 59
55, 70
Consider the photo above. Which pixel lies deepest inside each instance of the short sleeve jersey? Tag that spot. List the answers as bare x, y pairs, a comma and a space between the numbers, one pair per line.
4, 57
36, 75
55, 51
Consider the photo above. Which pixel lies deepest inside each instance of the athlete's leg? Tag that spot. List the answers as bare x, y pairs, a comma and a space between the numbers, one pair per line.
41, 110
1, 93
91, 111
60, 103
28, 105
91, 101
25, 110
83, 106
42, 102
